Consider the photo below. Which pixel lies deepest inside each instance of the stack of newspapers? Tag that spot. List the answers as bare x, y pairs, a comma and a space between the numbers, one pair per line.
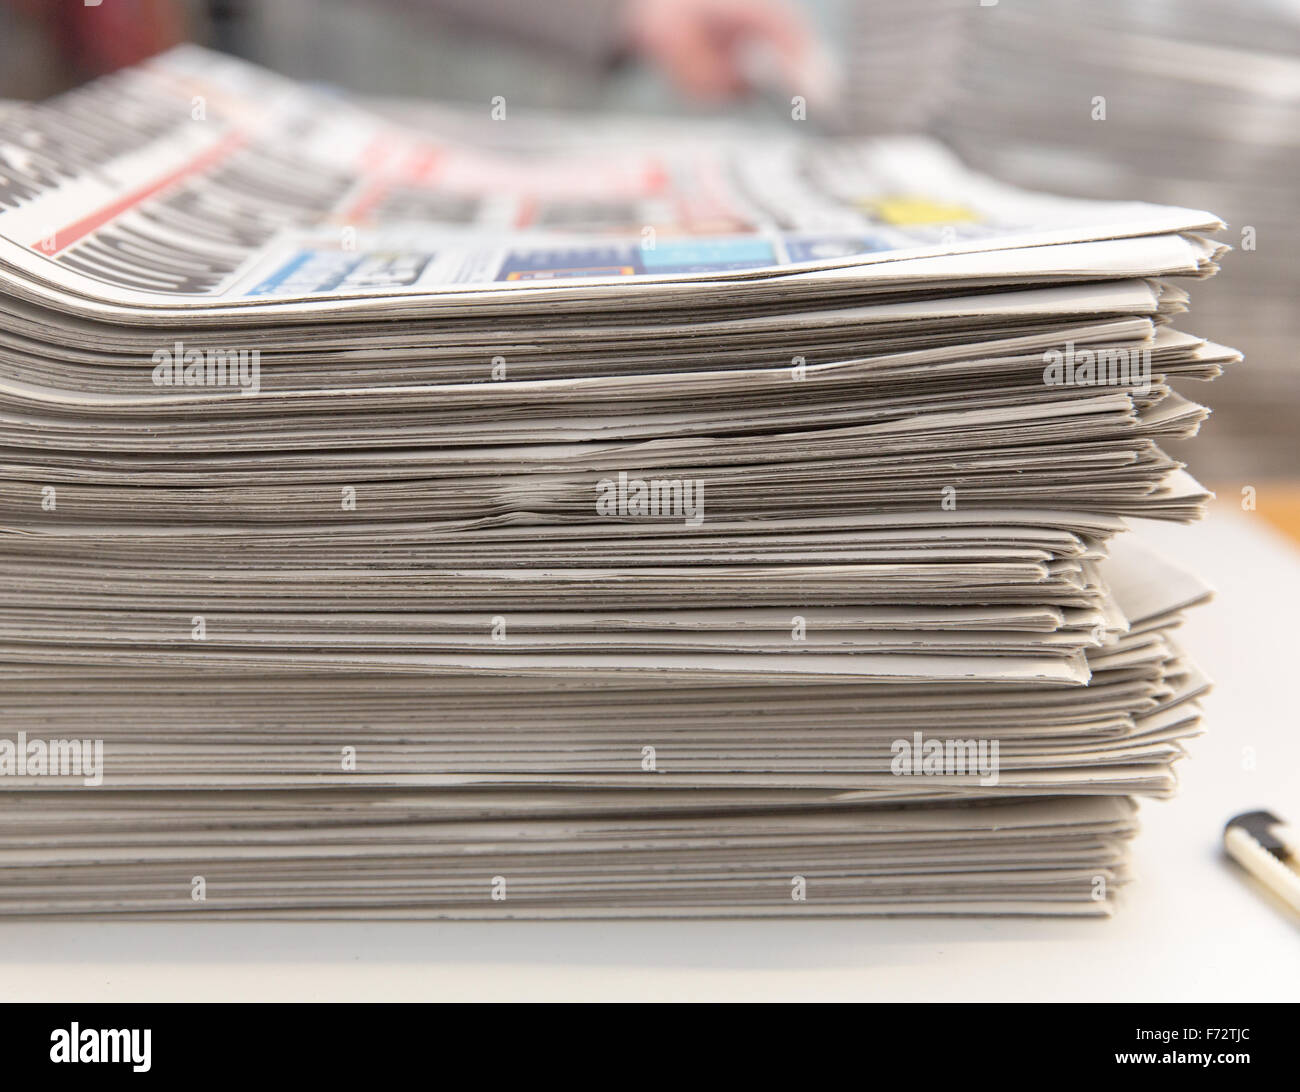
505, 522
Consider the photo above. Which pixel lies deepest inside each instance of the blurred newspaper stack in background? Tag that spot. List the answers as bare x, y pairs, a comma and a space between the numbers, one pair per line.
1193, 102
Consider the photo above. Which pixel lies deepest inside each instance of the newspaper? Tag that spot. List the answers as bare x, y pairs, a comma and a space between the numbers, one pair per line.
199, 179
648, 519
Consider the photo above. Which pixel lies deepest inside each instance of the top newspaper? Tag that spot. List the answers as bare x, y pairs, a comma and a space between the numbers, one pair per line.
200, 181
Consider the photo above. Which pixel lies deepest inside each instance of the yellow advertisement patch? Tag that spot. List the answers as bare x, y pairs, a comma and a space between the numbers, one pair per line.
902, 210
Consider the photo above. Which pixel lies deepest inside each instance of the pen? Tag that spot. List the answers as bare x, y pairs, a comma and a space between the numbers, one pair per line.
1268, 849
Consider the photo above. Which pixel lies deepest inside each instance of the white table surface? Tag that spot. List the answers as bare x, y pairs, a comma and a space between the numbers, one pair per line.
1190, 927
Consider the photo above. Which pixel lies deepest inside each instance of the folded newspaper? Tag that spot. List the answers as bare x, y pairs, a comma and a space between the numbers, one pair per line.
525, 517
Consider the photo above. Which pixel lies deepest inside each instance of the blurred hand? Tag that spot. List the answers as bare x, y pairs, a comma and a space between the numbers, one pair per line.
707, 47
